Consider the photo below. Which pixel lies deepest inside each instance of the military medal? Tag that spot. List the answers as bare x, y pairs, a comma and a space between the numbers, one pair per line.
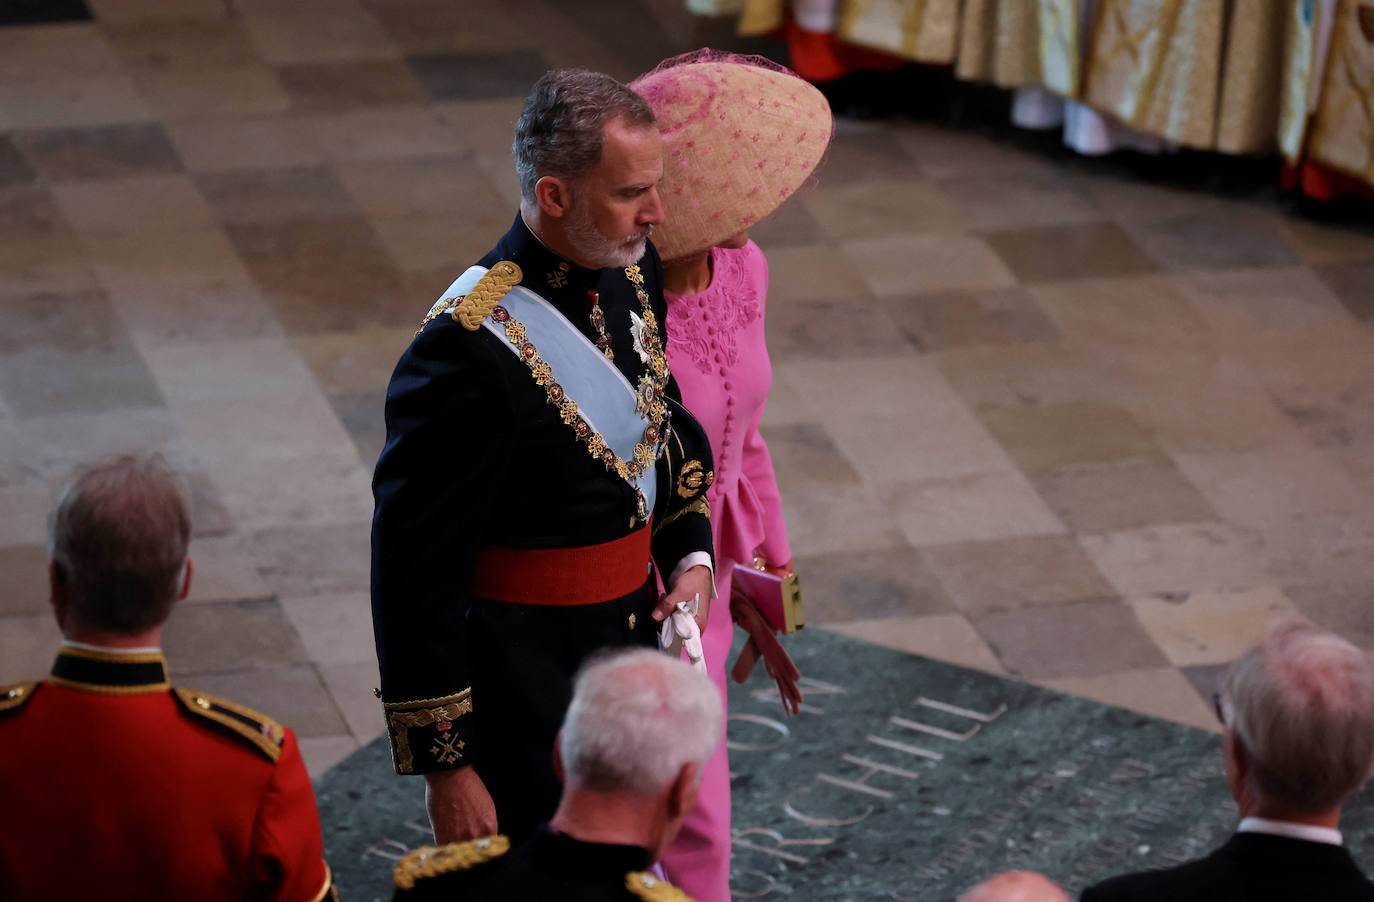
650, 401
598, 318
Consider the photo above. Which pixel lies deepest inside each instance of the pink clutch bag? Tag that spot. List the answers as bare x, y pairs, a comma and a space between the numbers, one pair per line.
778, 598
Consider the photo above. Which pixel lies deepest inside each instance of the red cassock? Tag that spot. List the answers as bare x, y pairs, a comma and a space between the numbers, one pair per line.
114, 785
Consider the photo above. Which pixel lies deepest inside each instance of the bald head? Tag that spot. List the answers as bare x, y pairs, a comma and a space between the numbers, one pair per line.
1016, 886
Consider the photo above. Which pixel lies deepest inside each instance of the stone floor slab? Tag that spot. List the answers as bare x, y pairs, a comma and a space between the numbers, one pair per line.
1200, 628
1103, 496
232, 636
1081, 250
1156, 691
1024, 571
1185, 557
334, 628
870, 585
942, 637
24, 580
1087, 639
901, 264
975, 507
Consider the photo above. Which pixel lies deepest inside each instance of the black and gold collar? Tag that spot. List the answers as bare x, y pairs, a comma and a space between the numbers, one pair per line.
109, 672
573, 859
546, 273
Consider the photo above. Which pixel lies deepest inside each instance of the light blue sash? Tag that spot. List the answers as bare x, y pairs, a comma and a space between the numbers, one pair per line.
604, 396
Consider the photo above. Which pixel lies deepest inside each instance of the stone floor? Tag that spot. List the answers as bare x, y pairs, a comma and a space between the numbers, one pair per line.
1030, 415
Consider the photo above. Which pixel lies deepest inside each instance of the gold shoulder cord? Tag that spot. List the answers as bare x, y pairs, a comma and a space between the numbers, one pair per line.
477, 304
14, 695
430, 861
484, 301
651, 889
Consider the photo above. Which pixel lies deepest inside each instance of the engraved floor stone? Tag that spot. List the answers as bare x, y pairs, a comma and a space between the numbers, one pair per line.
907, 779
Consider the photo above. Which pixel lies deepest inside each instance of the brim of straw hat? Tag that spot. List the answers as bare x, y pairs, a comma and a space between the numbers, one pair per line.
738, 140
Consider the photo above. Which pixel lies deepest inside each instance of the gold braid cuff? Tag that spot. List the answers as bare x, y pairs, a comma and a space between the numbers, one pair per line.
698, 506
402, 716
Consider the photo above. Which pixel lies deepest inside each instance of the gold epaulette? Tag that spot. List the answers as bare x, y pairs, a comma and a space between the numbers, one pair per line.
649, 888
431, 861
263, 733
15, 695
474, 307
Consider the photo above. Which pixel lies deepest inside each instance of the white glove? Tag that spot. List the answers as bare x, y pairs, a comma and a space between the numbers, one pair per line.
680, 632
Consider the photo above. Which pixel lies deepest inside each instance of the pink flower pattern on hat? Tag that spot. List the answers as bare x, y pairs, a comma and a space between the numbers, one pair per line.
740, 135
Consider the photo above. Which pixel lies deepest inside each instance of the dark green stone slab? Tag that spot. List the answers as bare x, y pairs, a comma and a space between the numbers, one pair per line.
902, 779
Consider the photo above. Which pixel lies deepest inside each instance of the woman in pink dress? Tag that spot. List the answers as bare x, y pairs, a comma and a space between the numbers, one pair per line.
741, 134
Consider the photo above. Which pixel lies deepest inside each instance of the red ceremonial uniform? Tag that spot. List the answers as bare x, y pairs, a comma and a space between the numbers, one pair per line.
114, 785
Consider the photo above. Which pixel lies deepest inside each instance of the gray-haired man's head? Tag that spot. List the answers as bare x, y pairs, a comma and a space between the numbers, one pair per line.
1301, 706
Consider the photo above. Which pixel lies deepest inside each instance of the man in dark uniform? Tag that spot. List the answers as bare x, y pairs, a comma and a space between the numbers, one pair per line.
639, 730
116, 785
537, 460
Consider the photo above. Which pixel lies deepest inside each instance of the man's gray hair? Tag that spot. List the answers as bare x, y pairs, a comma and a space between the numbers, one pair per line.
636, 718
1302, 706
118, 535
560, 130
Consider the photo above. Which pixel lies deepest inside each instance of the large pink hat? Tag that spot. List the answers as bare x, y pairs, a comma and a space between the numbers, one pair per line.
740, 135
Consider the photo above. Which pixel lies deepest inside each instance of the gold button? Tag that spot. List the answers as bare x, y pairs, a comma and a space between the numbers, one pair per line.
16, 692
203, 702
632, 621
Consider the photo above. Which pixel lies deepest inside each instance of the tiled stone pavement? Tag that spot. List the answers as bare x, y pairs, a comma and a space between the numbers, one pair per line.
1030, 416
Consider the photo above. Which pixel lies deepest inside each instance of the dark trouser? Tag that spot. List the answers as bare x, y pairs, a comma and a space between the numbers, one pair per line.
524, 658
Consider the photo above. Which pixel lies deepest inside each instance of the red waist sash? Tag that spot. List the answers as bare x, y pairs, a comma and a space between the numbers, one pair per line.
563, 576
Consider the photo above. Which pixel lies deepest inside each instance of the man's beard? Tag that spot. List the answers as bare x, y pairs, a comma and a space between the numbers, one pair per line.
594, 247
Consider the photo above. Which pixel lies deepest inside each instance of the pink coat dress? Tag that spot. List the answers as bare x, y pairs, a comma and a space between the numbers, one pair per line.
716, 350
